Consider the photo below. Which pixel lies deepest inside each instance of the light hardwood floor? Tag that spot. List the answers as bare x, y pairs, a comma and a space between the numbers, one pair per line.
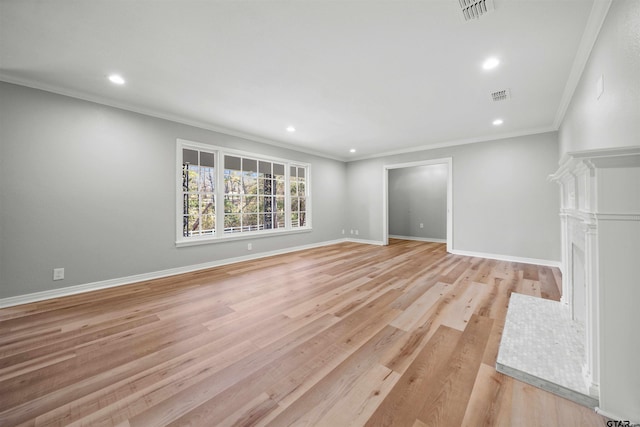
349, 334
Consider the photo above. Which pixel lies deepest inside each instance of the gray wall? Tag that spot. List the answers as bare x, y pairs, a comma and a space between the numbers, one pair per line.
92, 189
502, 202
614, 119
418, 195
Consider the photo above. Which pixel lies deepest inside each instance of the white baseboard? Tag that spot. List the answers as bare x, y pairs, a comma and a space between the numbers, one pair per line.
419, 239
366, 242
545, 262
110, 283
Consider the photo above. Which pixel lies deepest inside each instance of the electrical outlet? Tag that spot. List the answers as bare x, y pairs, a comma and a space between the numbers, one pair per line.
249, 246
421, 225
58, 273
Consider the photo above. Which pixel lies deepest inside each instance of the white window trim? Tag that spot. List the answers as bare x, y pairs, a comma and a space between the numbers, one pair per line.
218, 237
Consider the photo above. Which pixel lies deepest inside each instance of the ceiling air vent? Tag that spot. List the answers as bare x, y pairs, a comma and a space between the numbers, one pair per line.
501, 95
474, 9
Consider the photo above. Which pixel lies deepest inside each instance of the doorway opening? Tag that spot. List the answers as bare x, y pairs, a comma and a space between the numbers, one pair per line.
447, 169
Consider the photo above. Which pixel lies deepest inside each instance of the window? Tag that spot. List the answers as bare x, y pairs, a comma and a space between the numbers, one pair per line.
298, 196
198, 196
253, 195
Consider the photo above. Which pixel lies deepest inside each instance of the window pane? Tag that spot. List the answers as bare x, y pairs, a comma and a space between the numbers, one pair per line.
249, 165
303, 204
301, 172
232, 204
302, 219
249, 222
189, 157
185, 177
294, 188
231, 223
207, 178
278, 169
267, 204
264, 168
194, 204
194, 224
208, 223
233, 182
192, 178
207, 205
185, 225
265, 186
294, 204
293, 172
207, 159
250, 204
294, 219
185, 204
249, 183
301, 188
280, 187
232, 163
279, 220
266, 220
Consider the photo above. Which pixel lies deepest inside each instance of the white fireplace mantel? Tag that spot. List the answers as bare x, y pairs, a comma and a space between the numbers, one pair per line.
600, 225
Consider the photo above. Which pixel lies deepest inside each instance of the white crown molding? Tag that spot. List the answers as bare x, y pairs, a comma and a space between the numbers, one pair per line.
255, 138
160, 115
509, 258
120, 281
589, 36
456, 142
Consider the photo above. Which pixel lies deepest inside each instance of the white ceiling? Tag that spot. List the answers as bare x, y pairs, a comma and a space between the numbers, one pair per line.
377, 76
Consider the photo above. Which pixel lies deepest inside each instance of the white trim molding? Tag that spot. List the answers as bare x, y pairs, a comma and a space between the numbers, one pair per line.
418, 239
365, 241
176, 118
510, 258
596, 18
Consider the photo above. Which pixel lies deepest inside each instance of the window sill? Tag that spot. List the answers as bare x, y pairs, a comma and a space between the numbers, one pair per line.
195, 241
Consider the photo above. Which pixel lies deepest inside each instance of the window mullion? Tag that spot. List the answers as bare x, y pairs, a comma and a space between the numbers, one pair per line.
287, 196
218, 191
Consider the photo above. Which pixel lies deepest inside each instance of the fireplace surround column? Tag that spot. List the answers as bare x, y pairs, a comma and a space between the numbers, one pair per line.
600, 216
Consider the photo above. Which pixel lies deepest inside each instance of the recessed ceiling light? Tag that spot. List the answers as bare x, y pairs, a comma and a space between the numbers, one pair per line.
490, 63
291, 129
116, 79
353, 150
497, 122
